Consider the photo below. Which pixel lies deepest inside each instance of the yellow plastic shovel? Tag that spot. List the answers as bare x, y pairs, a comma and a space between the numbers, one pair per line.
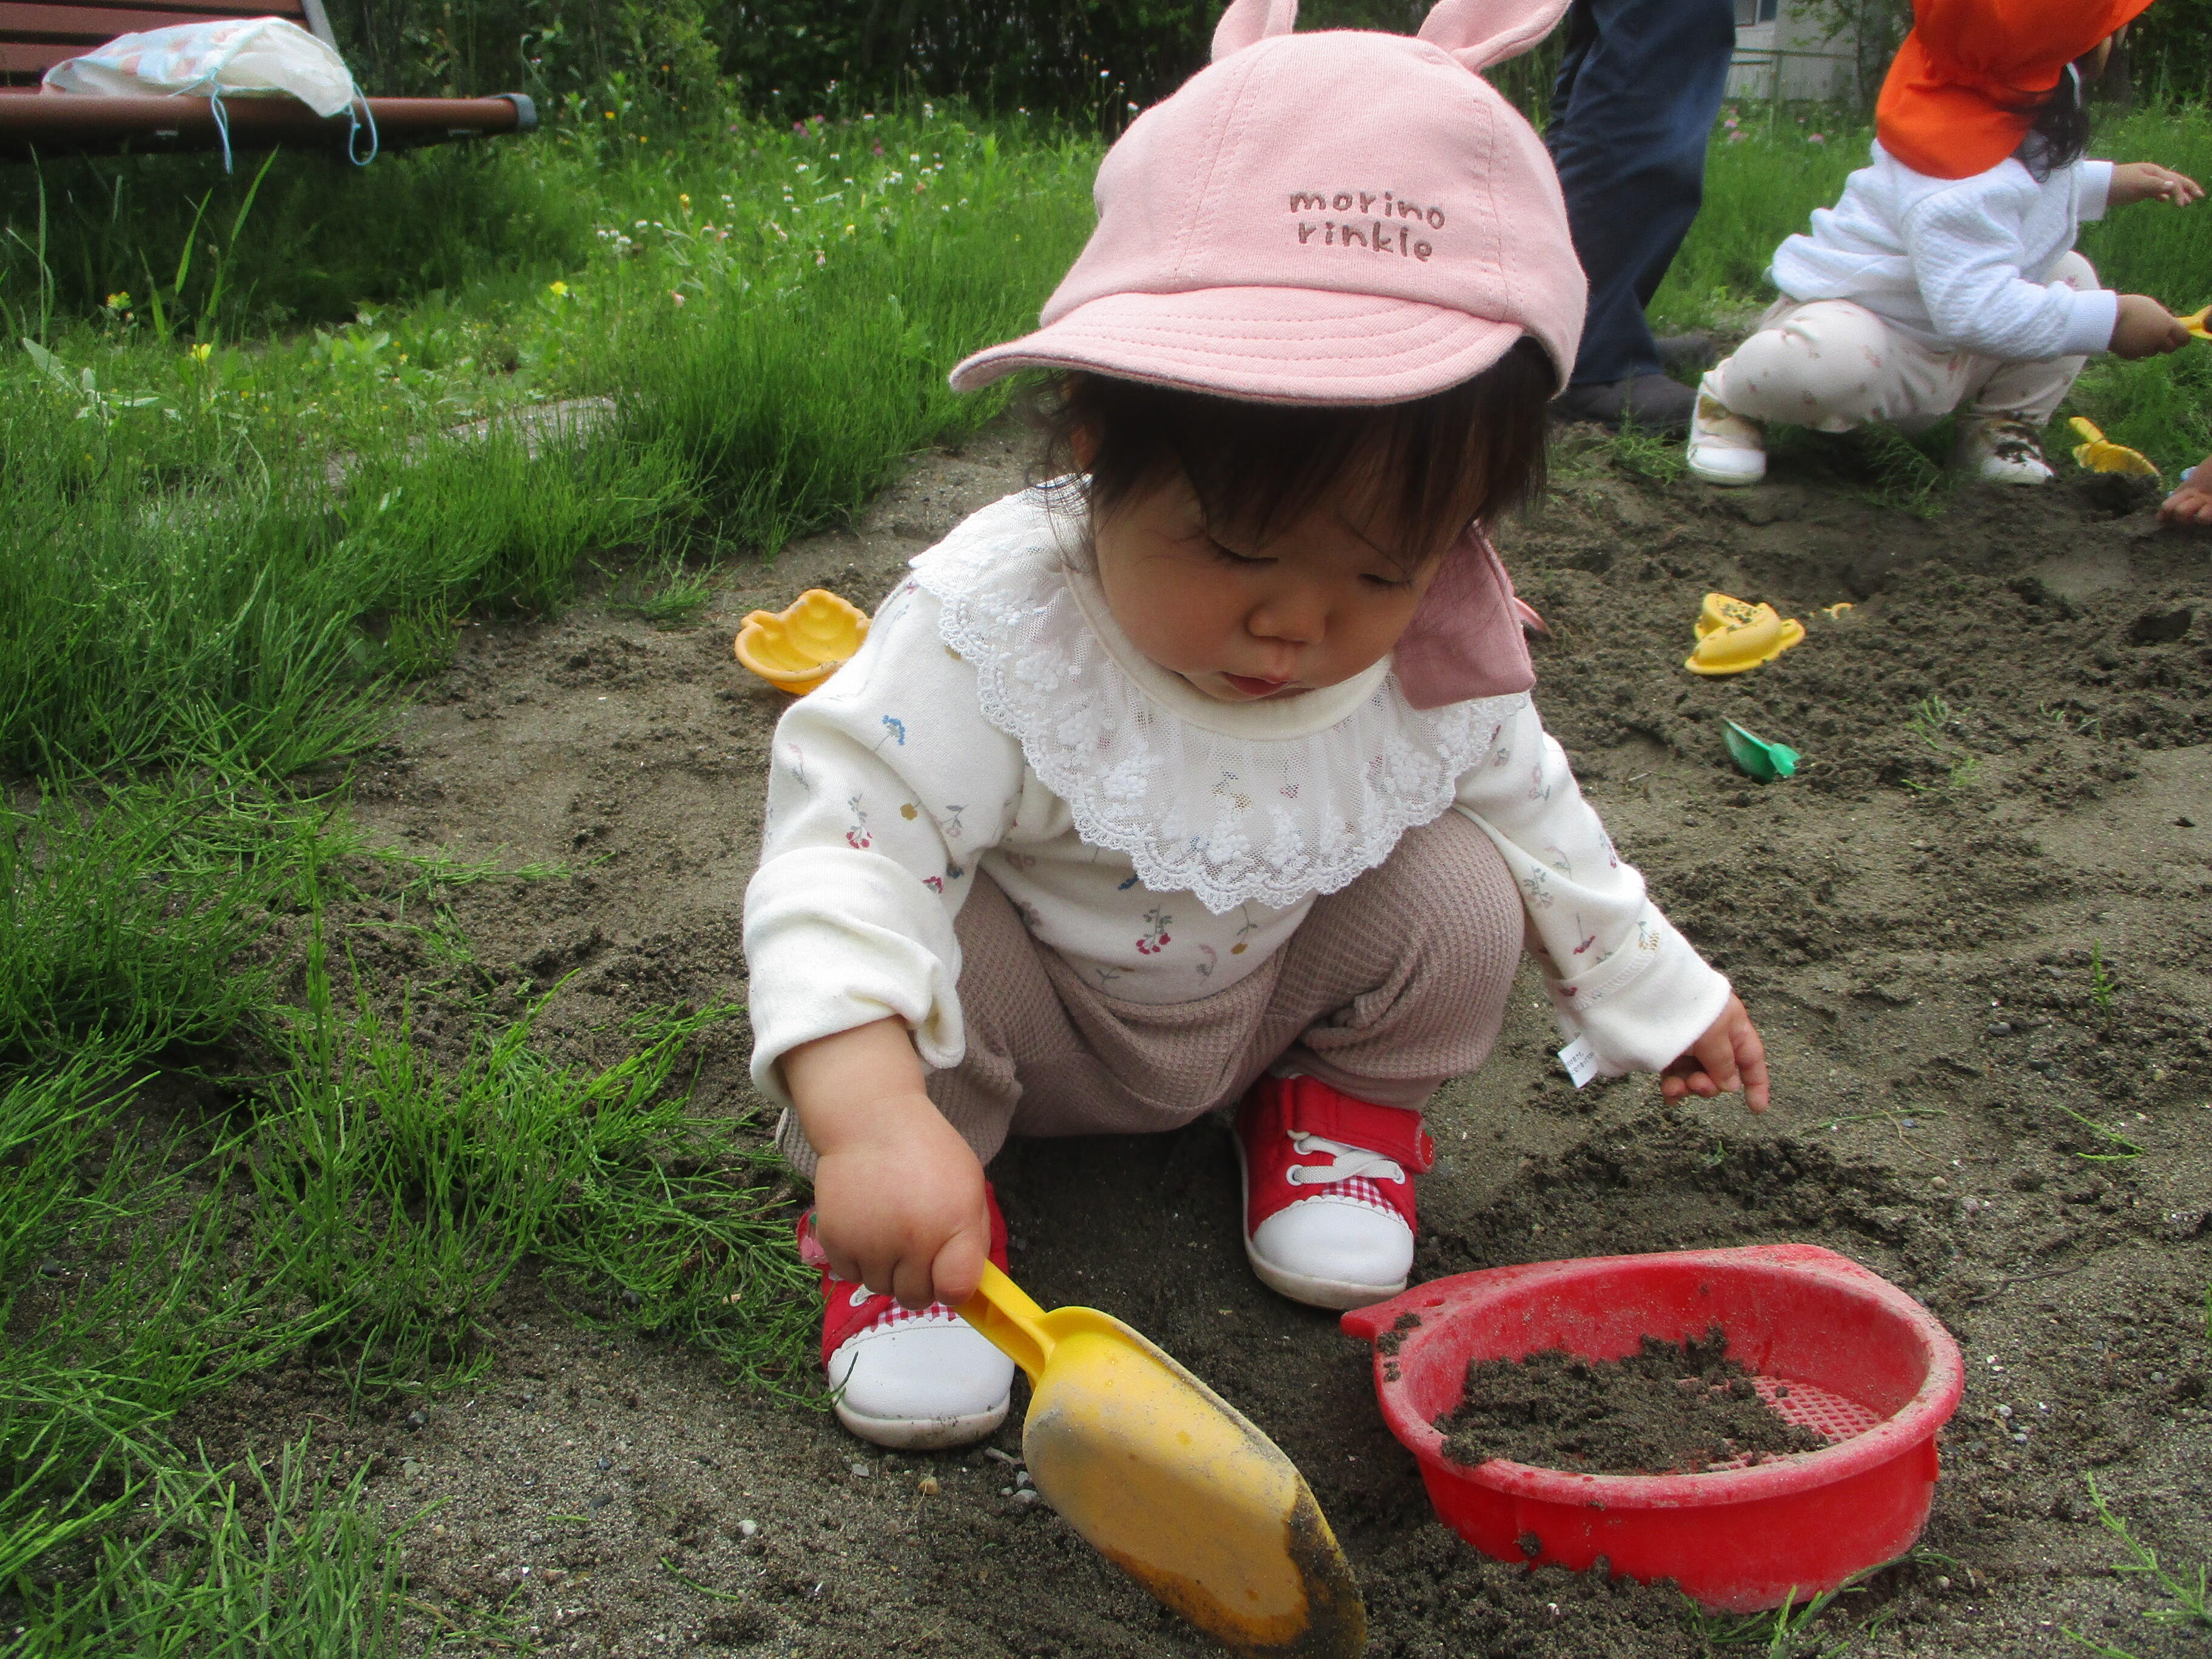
1169, 1482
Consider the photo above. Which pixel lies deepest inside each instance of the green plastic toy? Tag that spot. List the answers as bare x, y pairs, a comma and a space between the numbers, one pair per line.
1770, 763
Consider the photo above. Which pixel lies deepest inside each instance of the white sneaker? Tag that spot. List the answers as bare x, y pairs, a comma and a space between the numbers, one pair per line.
914, 1382
1998, 449
1328, 1203
1725, 448
919, 1381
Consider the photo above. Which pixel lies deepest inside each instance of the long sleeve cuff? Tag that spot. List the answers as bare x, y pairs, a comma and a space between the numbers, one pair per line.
2096, 192
837, 939
1645, 1004
2089, 328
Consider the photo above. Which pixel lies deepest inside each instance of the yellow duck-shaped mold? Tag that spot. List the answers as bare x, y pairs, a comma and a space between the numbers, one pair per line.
2194, 322
2100, 454
798, 647
1733, 636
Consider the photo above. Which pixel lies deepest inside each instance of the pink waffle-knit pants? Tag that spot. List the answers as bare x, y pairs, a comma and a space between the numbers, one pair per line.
1389, 986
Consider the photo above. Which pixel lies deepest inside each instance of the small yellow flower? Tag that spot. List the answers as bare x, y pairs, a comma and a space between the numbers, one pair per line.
118, 302
684, 201
557, 289
610, 115
202, 352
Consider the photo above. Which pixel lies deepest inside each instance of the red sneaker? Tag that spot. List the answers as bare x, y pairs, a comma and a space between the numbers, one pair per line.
1328, 1200
910, 1381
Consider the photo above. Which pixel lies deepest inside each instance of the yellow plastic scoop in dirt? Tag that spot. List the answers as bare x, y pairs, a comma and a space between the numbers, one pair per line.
2194, 322
1733, 636
2100, 454
1169, 1482
810, 639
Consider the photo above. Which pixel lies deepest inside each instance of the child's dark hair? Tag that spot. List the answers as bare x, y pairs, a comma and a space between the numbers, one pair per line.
2060, 137
1434, 465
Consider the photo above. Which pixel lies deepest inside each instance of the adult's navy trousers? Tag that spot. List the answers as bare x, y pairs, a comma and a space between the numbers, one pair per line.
1639, 87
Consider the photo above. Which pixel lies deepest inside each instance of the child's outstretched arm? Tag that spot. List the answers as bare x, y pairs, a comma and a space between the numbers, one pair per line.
898, 1196
885, 787
1623, 981
2147, 181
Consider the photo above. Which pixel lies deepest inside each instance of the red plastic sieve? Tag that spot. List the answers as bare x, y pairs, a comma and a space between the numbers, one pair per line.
1864, 1363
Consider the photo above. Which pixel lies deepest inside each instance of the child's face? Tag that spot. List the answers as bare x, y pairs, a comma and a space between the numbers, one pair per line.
1322, 603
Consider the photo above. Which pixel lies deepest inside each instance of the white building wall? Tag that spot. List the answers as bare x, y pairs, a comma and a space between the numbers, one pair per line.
1781, 51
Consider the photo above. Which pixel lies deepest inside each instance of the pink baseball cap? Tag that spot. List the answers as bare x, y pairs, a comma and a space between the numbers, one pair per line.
1339, 217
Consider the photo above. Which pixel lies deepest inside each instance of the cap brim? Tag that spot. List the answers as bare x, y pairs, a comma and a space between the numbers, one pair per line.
1260, 344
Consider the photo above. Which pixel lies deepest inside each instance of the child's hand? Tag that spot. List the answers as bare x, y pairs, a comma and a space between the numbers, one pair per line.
2147, 181
2191, 501
904, 1211
898, 1196
2145, 328
1728, 1057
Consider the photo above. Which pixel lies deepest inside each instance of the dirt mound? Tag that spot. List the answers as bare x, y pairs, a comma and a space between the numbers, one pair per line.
1672, 1407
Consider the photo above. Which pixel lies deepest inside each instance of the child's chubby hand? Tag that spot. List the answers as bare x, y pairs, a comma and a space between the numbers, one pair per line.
904, 1211
2147, 181
898, 1196
2191, 501
1730, 1056
2144, 328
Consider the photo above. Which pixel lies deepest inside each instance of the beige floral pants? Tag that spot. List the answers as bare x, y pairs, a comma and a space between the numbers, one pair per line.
1834, 365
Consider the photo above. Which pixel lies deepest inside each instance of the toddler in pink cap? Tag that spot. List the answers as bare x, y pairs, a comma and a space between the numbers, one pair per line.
1207, 774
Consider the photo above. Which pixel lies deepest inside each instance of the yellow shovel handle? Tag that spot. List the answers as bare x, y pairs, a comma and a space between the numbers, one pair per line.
1004, 1313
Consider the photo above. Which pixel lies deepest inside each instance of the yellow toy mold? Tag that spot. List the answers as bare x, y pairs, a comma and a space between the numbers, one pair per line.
2194, 322
1733, 636
2100, 454
810, 639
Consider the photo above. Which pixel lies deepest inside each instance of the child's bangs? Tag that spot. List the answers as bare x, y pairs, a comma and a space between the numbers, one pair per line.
1412, 477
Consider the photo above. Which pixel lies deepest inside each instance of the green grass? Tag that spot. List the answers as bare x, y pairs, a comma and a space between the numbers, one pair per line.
239, 523
221, 552
402, 1194
272, 1557
359, 1204
1786, 1632
2187, 1592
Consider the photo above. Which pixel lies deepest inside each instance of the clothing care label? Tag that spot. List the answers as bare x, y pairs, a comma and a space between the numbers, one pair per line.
1580, 1059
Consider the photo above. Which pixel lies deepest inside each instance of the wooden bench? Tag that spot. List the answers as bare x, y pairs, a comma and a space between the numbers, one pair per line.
35, 35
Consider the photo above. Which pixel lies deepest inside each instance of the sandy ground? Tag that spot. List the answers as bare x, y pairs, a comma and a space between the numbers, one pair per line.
1912, 919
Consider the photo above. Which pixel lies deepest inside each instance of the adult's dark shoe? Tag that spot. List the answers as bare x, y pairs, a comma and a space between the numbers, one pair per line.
1687, 356
1653, 403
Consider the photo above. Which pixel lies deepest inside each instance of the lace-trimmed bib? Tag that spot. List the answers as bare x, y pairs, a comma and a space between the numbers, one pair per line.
1235, 802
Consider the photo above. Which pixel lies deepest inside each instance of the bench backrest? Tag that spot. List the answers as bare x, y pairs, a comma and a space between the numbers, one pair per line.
34, 36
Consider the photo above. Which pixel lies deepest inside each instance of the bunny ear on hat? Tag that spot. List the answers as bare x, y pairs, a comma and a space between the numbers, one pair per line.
1248, 22
1480, 33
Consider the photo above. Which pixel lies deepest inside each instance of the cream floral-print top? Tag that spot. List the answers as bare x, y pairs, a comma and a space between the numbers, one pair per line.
1165, 844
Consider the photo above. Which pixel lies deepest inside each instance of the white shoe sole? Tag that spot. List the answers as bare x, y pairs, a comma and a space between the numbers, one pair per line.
1724, 478
924, 1433
1339, 1295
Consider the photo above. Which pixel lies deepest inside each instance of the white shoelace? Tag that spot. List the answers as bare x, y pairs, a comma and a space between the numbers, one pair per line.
1351, 1162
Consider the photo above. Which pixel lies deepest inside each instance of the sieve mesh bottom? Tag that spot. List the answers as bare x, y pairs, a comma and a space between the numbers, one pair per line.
1832, 1416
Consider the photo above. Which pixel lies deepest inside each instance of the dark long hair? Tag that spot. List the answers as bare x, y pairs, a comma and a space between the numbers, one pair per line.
2060, 137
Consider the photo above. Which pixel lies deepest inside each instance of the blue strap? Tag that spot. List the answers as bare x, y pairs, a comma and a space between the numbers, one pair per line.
221, 122
352, 132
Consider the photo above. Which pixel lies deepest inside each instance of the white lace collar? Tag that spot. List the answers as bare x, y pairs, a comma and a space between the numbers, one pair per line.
1235, 802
